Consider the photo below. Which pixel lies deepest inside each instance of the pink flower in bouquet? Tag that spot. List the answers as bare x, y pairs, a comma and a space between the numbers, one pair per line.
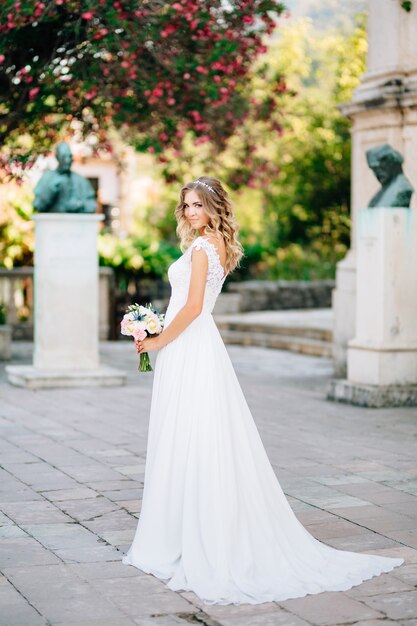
138, 322
139, 333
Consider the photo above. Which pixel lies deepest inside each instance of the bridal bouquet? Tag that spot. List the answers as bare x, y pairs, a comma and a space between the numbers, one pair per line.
139, 322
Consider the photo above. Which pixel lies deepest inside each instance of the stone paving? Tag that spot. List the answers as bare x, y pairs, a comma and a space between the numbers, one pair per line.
71, 474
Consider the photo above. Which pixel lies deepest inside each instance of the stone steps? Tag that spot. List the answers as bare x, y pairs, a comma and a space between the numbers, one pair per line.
313, 347
321, 334
304, 339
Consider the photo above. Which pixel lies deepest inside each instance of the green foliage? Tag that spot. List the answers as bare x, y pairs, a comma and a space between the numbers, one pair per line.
139, 255
3, 314
305, 208
301, 173
16, 228
407, 5
294, 216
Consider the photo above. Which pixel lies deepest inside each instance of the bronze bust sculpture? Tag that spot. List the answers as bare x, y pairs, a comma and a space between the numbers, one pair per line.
396, 190
64, 191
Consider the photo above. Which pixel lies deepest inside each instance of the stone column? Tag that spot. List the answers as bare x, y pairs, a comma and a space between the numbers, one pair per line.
384, 351
382, 358
66, 297
383, 110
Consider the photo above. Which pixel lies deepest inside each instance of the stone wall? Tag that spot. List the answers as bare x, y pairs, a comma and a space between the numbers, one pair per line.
258, 295
16, 285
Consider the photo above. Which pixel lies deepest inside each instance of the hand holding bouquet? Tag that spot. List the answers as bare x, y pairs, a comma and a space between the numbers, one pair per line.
139, 322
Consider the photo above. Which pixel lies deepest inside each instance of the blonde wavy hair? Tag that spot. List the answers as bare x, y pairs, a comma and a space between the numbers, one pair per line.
222, 221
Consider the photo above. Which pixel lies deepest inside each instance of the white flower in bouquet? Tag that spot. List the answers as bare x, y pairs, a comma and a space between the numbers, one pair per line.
138, 322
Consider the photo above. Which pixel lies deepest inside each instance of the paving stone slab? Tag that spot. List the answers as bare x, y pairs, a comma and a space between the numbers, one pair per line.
5, 520
91, 472
57, 536
102, 570
331, 608
77, 493
65, 588
11, 531
359, 513
79, 608
376, 622
89, 509
407, 573
15, 609
88, 555
121, 621
278, 618
19, 494
405, 507
391, 521
111, 520
385, 583
334, 528
26, 576
394, 605
359, 493
163, 620
218, 612
144, 604
34, 511
112, 485
24, 551
406, 552
361, 542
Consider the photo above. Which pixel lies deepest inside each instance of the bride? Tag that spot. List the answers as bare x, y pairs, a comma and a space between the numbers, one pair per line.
214, 518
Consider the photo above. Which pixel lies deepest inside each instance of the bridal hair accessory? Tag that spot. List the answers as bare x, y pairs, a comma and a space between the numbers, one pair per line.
205, 185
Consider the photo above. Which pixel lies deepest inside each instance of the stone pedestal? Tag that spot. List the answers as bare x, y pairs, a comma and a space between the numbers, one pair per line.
5, 342
382, 358
344, 311
66, 306
383, 109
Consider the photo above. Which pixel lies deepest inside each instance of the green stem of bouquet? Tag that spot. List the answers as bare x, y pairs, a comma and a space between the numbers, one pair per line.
145, 363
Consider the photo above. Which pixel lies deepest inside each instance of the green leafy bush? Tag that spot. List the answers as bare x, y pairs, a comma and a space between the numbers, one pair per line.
3, 314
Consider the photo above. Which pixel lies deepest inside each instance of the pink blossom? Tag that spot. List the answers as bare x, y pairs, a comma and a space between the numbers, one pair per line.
91, 94
248, 19
87, 16
139, 334
168, 30
202, 139
33, 92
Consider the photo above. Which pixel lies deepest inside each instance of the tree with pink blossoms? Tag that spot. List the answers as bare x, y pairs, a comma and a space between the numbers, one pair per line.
154, 70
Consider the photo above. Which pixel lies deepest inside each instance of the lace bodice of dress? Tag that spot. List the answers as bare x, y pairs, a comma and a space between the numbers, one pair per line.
179, 274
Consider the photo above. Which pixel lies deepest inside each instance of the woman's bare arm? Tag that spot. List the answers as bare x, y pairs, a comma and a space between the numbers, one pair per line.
194, 305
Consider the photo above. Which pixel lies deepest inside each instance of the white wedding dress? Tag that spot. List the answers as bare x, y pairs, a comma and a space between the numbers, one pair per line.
214, 518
